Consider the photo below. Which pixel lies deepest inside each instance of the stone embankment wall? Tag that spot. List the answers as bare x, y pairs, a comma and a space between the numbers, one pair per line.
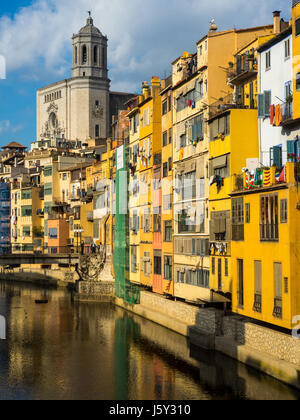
88, 291
269, 351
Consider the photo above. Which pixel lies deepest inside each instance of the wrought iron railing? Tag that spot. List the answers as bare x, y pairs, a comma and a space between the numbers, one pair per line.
257, 307
277, 312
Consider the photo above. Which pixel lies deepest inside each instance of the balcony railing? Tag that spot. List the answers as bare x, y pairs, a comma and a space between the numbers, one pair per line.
277, 312
287, 111
244, 67
269, 232
257, 307
224, 104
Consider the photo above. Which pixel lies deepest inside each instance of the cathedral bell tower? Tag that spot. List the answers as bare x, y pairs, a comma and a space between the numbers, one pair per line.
90, 52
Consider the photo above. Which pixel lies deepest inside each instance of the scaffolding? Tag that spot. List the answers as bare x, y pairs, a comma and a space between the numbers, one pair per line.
124, 289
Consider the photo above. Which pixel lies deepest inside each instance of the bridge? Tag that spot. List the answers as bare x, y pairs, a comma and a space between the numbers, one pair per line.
32, 259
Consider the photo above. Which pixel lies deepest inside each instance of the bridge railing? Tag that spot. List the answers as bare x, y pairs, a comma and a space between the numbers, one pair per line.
79, 249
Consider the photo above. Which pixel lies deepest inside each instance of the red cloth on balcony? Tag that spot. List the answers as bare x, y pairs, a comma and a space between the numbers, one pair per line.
272, 114
278, 116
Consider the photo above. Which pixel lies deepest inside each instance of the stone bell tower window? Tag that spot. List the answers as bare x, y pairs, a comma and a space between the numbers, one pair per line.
84, 54
95, 55
75, 55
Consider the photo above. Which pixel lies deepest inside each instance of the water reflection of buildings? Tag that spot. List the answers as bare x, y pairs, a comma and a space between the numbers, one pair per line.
89, 351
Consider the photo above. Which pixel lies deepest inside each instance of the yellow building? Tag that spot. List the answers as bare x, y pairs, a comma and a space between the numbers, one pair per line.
296, 60
265, 266
135, 187
149, 150
167, 186
27, 216
233, 139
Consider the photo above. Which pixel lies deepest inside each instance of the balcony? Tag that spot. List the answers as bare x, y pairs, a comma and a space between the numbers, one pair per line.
244, 68
220, 248
287, 111
224, 104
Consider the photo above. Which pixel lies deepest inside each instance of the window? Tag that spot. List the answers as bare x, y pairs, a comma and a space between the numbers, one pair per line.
133, 258
147, 221
167, 202
237, 219
269, 218
297, 26
26, 211
165, 170
268, 60
170, 164
26, 231
26, 194
287, 49
187, 221
169, 103
220, 126
182, 141
180, 276
170, 135
220, 226
213, 266
168, 231
168, 272
226, 267
135, 222
277, 312
197, 129
283, 211
257, 307
95, 55
157, 219
165, 107
267, 102
97, 131
240, 264
298, 81
53, 233
157, 265
188, 186
84, 54
248, 213
48, 172
165, 138
276, 156
147, 264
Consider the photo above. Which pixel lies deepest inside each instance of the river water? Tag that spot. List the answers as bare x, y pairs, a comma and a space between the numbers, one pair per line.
65, 350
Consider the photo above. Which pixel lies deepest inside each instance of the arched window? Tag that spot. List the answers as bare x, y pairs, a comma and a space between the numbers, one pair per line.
84, 54
75, 55
103, 57
95, 55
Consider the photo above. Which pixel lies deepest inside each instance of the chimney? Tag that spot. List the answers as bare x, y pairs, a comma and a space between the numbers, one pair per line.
145, 90
276, 22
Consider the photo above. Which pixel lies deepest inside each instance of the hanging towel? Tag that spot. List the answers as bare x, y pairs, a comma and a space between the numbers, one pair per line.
190, 103
272, 114
278, 116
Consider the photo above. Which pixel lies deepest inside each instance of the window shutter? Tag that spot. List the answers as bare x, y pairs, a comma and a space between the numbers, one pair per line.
267, 100
278, 280
291, 149
261, 103
277, 158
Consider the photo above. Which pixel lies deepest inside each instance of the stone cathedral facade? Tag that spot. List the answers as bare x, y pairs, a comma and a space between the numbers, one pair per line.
81, 107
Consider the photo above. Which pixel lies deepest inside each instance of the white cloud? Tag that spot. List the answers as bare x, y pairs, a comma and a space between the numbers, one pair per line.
5, 127
144, 36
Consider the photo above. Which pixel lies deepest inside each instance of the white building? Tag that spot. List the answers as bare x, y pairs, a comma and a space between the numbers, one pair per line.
275, 89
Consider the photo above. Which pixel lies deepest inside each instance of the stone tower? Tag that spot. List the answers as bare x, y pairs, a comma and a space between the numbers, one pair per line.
90, 52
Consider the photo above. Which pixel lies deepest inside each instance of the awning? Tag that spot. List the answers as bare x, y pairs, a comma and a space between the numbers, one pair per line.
220, 162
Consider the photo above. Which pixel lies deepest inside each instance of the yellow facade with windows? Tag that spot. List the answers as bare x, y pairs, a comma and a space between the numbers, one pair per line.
233, 139
296, 59
265, 265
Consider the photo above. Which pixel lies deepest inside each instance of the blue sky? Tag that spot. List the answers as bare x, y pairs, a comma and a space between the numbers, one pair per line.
144, 38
